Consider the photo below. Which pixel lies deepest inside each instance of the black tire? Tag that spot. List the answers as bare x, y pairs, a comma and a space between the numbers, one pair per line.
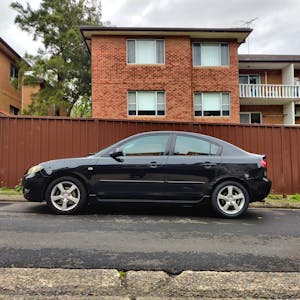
62, 201
230, 199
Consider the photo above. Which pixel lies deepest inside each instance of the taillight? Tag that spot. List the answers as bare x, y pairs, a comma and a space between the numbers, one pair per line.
263, 163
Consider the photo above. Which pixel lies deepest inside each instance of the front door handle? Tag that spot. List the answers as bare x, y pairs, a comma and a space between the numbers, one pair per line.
153, 164
208, 165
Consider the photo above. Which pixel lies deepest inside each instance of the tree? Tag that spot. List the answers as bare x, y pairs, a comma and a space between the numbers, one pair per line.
63, 63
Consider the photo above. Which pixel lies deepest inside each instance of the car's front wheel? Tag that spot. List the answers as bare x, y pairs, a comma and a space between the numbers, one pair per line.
66, 195
230, 199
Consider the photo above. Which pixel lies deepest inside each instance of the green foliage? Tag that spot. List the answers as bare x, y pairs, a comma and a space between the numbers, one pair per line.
295, 197
15, 83
8, 191
82, 108
274, 197
63, 63
122, 274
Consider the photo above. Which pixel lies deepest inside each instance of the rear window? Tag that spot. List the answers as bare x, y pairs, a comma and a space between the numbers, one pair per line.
192, 146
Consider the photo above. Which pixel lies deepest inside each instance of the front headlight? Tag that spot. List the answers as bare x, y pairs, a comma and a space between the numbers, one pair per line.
35, 169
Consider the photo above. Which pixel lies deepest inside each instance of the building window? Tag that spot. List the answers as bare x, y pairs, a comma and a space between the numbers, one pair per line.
13, 110
210, 54
250, 117
211, 104
14, 72
145, 51
249, 79
144, 103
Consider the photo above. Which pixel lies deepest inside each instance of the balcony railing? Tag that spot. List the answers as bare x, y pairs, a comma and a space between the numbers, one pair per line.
269, 91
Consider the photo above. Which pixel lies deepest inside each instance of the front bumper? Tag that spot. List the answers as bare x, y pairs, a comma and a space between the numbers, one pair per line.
34, 187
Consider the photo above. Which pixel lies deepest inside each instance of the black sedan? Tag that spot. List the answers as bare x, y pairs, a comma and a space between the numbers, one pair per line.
159, 167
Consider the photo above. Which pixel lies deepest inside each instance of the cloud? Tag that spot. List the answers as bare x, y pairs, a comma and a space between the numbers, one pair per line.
19, 40
276, 29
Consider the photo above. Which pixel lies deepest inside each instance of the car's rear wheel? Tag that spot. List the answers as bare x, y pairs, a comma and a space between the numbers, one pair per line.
230, 199
66, 195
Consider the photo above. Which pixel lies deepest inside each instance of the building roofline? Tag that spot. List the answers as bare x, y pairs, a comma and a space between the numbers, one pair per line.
10, 51
273, 58
166, 29
239, 34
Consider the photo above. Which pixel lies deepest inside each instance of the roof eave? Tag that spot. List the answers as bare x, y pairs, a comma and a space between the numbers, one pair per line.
9, 50
239, 34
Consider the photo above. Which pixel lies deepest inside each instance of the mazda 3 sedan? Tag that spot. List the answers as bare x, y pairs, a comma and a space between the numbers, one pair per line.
155, 167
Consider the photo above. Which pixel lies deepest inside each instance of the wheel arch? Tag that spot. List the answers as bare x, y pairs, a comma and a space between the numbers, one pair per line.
57, 175
231, 178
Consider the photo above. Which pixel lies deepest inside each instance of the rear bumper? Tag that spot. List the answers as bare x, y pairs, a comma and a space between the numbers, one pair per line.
259, 188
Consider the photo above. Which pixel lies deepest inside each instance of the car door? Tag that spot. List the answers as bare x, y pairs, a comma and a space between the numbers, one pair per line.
192, 167
136, 174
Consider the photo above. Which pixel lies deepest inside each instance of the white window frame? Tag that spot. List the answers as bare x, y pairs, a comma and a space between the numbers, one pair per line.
221, 105
135, 45
220, 54
249, 114
136, 104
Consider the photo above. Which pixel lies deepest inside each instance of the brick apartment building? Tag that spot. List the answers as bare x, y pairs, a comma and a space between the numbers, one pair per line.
14, 97
184, 74
269, 89
10, 96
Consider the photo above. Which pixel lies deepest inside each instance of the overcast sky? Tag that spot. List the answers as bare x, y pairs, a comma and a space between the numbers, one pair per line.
276, 25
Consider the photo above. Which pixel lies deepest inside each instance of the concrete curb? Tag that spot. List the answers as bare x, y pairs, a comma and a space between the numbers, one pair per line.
20, 198
108, 284
15, 198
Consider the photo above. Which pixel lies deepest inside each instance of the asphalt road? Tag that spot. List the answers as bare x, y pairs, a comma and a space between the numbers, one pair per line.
149, 238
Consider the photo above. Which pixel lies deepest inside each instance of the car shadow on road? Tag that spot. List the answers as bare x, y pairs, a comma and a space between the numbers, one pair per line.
139, 209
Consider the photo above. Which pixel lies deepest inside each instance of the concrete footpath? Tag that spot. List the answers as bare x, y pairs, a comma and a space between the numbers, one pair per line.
111, 284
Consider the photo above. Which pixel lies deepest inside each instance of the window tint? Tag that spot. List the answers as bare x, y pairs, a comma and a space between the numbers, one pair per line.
250, 118
185, 145
249, 79
14, 72
146, 146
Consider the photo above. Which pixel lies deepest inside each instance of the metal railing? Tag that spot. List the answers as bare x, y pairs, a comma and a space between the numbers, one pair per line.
277, 91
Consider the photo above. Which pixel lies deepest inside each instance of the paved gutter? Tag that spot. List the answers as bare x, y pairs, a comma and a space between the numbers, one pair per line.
82, 284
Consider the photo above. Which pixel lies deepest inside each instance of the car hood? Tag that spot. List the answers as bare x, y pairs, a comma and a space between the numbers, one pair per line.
66, 163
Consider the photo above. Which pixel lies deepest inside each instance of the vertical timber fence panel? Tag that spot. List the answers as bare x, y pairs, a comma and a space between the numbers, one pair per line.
25, 141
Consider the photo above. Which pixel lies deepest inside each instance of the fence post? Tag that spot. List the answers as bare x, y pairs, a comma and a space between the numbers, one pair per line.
284, 195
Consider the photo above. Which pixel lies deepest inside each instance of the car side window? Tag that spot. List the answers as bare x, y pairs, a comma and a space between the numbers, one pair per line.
185, 145
146, 146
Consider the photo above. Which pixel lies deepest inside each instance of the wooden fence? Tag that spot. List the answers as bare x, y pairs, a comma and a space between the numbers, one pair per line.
25, 141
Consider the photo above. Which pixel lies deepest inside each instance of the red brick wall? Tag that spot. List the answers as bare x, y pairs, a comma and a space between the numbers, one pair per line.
271, 114
112, 78
221, 79
8, 94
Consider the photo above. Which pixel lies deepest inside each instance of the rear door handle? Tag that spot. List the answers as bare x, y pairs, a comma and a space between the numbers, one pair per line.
208, 164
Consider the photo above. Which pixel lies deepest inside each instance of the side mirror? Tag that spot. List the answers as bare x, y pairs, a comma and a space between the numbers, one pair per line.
116, 154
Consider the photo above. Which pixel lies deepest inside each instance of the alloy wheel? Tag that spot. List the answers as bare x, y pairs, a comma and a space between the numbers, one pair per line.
231, 199
65, 196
